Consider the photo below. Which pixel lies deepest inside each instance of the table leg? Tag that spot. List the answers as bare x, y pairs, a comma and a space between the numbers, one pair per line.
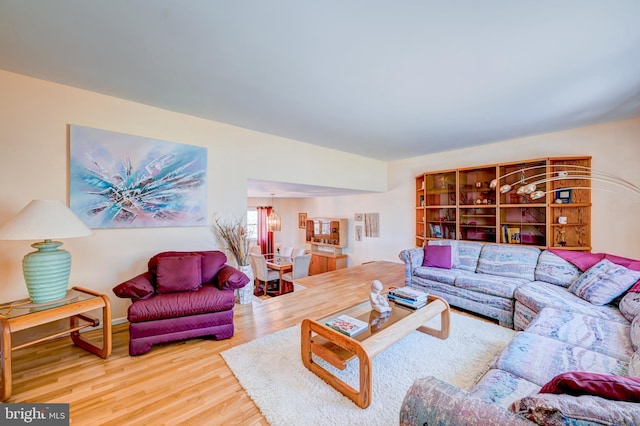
5, 348
445, 322
105, 350
362, 397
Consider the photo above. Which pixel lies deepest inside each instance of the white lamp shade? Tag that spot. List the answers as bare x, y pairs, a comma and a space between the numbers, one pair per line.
44, 220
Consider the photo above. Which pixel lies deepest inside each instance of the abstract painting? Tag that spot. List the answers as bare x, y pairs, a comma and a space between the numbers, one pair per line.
125, 181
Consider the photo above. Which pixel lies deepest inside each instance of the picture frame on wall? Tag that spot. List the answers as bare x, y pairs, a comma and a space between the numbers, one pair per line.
302, 220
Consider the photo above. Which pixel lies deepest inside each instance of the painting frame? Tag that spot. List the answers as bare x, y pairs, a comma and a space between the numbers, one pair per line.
358, 233
302, 220
117, 180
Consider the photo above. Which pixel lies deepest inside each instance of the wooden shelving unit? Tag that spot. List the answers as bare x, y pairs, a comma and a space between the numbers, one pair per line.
460, 204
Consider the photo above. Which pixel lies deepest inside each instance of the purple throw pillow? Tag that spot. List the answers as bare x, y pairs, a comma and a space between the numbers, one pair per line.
437, 256
212, 262
230, 277
139, 287
178, 273
618, 388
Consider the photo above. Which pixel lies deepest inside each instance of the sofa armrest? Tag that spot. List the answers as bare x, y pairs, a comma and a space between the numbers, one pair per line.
412, 258
230, 278
431, 401
140, 287
546, 408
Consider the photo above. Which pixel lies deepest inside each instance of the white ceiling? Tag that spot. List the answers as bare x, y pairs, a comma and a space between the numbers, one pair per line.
380, 78
264, 188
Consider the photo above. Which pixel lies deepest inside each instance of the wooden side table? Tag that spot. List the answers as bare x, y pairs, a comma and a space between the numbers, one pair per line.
24, 324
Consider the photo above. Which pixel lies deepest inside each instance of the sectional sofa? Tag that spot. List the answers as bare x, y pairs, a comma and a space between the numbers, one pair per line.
575, 358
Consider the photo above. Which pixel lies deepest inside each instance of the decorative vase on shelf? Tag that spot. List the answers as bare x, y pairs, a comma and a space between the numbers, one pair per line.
244, 295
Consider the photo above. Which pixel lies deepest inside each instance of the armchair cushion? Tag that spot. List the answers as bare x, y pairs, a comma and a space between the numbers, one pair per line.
136, 288
229, 277
211, 262
208, 299
179, 273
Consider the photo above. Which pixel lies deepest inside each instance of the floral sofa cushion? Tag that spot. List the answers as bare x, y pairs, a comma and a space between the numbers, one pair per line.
509, 261
501, 387
552, 357
603, 282
447, 276
630, 305
537, 295
610, 338
489, 284
551, 409
553, 269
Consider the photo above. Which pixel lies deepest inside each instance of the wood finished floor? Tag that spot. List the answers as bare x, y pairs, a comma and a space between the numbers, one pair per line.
185, 382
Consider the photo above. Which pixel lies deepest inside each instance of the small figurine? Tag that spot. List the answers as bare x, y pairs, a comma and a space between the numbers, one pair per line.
378, 301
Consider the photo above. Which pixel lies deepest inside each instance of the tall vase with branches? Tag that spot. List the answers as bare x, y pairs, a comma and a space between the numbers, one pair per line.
233, 234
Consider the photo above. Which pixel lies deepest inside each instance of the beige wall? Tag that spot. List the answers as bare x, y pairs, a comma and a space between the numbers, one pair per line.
615, 148
34, 164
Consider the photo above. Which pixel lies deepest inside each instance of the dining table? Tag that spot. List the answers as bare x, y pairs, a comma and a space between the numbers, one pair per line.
281, 264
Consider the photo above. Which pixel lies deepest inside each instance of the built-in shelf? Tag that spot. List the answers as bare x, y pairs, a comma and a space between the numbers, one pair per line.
461, 204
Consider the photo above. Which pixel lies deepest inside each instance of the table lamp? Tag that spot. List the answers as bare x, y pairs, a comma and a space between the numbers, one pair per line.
46, 271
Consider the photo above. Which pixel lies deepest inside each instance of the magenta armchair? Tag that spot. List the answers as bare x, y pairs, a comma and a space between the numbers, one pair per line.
183, 295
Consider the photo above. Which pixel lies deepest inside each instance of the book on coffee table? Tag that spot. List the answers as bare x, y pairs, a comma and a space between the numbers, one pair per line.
347, 325
409, 294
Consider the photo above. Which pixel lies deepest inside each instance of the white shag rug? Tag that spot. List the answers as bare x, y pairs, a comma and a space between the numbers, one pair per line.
271, 371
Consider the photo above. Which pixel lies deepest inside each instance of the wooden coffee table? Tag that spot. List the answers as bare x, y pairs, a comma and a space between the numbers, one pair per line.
338, 349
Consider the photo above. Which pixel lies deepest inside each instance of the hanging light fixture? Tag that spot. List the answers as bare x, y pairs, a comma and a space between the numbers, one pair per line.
572, 173
273, 220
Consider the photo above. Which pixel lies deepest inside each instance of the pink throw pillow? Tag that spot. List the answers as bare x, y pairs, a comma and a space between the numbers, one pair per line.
437, 256
582, 259
618, 388
178, 273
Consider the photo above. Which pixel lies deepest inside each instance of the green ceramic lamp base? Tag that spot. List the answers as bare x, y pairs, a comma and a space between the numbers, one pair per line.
46, 271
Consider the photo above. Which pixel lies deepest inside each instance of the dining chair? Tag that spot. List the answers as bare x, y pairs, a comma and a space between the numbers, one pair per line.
263, 275
300, 269
298, 252
286, 251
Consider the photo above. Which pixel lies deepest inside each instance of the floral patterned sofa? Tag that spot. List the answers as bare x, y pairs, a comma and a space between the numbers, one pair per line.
576, 358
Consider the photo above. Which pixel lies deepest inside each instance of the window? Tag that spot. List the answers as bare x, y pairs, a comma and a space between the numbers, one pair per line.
252, 224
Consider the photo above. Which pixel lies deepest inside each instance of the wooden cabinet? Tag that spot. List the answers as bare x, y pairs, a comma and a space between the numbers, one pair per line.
327, 237
324, 261
463, 204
